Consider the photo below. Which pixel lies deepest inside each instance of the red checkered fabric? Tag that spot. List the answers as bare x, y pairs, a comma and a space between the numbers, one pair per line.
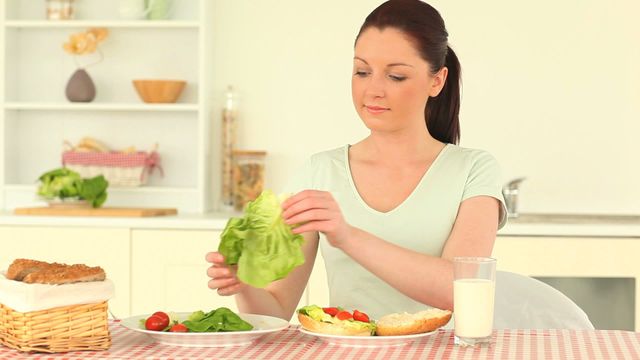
292, 344
149, 161
115, 159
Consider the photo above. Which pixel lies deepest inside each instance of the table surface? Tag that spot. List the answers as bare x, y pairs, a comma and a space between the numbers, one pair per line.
292, 344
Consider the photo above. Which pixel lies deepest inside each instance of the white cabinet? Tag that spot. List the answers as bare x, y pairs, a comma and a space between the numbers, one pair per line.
105, 247
152, 269
581, 257
169, 271
36, 117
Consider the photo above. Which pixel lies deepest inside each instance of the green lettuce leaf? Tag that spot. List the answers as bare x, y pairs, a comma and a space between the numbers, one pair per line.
94, 190
315, 312
221, 319
261, 244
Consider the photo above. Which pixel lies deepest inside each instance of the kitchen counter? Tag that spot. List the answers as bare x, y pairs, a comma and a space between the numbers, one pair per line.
206, 221
524, 225
584, 225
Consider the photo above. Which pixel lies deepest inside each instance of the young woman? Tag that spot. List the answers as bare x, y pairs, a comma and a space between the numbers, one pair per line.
396, 207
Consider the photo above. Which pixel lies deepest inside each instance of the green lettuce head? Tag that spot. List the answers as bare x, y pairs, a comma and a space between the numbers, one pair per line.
261, 244
63, 183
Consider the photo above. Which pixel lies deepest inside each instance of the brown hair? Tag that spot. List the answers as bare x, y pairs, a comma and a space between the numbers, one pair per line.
425, 27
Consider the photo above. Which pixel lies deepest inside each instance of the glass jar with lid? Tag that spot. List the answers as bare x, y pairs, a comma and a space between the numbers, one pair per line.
248, 176
229, 114
60, 10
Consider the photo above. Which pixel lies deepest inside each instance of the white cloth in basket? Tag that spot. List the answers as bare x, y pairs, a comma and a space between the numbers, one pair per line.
23, 297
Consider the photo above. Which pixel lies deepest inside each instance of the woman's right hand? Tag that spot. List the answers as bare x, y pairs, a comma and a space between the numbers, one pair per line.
223, 277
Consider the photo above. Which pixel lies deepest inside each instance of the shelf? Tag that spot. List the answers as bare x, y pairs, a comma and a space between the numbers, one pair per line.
182, 198
53, 106
35, 116
45, 24
140, 189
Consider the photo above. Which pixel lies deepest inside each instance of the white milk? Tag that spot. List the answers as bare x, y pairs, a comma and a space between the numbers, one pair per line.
473, 307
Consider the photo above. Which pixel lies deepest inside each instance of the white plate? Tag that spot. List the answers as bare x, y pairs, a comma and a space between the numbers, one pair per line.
367, 341
262, 325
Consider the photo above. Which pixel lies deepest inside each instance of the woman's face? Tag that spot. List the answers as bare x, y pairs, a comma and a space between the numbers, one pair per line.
391, 82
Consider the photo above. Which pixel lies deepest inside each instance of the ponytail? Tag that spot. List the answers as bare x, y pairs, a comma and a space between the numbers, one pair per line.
441, 113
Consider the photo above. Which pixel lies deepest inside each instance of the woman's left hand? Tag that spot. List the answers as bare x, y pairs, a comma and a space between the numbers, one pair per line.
317, 211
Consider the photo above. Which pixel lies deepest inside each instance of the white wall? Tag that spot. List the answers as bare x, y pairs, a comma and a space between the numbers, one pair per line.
551, 88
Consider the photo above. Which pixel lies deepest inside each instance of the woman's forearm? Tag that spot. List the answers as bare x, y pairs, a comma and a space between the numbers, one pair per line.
260, 301
424, 278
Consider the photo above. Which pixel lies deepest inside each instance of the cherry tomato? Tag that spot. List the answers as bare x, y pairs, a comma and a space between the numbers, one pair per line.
331, 311
360, 316
179, 328
162, 315
344, 315
155, 323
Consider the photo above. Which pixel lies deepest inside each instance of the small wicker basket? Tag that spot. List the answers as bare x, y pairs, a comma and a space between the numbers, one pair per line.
120, 169
60, 329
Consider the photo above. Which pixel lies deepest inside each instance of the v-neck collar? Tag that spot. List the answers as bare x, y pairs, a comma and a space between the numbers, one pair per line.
356, 193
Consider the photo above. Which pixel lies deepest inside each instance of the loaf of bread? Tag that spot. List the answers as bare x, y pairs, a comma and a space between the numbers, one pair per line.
40, 272
407, 324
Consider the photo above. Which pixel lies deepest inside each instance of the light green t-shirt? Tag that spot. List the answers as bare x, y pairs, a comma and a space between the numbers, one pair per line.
421, 223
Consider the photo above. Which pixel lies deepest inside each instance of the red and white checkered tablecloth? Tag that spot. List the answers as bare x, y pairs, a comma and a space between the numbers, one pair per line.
292, 344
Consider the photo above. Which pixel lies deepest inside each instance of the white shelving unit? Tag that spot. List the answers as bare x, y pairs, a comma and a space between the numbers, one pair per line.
99, 107
101, 23
36, 117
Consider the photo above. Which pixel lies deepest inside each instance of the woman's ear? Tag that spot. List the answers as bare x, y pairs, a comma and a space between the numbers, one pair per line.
438, 82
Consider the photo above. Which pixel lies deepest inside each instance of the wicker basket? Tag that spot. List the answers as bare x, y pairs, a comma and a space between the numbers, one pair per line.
61, 329
120, 169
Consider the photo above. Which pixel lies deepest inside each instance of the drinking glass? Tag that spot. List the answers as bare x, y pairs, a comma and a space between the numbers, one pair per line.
474, 288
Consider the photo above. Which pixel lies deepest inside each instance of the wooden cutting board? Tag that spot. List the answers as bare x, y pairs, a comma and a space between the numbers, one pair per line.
103, 211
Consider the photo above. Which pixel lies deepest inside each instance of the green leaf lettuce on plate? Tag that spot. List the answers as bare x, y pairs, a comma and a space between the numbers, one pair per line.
260, 243
221, 319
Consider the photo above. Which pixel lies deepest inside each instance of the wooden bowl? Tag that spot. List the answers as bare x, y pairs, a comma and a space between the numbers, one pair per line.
159, 91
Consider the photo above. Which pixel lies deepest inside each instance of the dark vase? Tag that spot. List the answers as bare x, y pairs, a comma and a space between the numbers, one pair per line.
80, 87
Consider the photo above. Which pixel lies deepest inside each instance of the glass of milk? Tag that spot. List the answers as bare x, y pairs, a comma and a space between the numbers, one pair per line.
474, 288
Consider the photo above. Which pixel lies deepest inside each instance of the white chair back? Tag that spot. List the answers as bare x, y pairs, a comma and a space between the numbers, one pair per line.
523, 302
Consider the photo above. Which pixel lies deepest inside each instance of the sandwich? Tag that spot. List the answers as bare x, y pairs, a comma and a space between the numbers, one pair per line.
335, 321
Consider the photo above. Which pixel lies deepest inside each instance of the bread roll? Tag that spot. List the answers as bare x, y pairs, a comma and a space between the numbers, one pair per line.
407, 324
